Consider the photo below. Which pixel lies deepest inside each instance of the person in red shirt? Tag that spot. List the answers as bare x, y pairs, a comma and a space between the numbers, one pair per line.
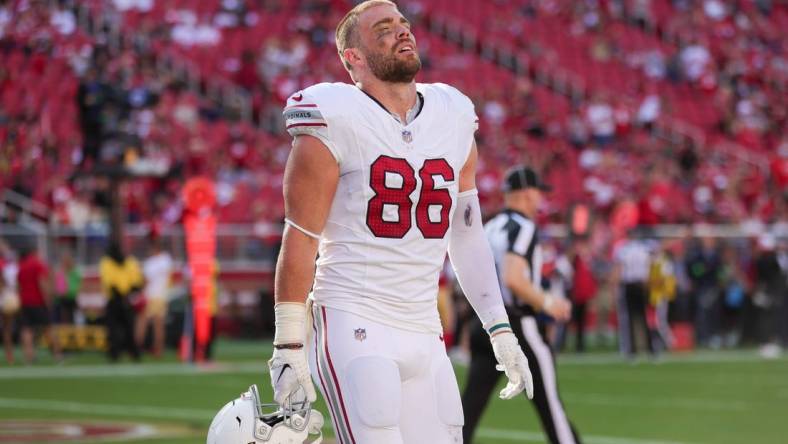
32, 280
584, 289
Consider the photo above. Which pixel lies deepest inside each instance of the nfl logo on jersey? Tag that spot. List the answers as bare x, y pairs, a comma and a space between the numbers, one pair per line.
360, 334
407, 136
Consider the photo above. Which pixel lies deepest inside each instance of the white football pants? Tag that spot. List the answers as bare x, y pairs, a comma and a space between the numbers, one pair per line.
384, 385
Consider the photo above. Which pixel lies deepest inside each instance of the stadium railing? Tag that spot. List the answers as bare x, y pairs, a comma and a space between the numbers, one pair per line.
256, 246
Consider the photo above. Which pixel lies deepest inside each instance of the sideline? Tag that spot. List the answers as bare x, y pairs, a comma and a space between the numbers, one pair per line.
257, 367
111, 371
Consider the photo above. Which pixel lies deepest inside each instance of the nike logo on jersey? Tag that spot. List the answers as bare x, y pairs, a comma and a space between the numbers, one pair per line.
282, 372
298, 98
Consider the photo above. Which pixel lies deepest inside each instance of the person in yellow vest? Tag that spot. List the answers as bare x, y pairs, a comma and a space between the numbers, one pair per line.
121, 278
662, 290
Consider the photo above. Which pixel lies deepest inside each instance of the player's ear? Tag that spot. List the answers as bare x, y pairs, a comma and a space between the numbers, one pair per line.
352, 56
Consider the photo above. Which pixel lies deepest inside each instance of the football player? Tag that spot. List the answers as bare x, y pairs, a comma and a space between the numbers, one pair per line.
380, 182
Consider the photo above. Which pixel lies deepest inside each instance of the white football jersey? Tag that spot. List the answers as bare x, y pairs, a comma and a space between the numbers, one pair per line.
387, 233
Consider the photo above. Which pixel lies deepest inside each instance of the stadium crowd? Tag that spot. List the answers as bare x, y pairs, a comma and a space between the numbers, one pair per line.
84, 85
101, 95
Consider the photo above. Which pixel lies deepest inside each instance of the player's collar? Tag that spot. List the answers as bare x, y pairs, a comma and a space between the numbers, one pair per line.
513, 211
411, 115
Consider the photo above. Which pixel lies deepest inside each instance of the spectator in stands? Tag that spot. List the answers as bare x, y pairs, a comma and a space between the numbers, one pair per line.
649, 110
191, 32
246, 76
93, 95
121, 280
130, 5
577, 130
695, 60
35, 286
232, 13
641, 12
157, 269
68, 282
63, 20
601, 120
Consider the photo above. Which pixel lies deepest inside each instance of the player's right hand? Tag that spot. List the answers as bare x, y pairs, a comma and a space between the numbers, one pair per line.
559, 309
289, 372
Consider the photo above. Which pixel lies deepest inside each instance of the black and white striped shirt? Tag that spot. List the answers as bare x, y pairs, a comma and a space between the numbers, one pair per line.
633, 258
512, 232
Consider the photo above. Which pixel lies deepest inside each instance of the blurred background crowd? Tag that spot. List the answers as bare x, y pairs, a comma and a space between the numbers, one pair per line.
664, 114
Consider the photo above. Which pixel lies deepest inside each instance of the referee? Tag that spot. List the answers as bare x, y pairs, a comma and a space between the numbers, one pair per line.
632, 259
518, 258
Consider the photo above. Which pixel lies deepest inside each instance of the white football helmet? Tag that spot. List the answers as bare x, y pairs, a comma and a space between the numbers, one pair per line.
243, 421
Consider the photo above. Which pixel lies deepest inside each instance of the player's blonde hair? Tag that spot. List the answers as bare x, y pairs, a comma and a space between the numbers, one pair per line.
346, 34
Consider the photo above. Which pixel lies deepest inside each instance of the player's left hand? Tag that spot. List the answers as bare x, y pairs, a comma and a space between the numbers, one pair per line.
289, 372
512, 361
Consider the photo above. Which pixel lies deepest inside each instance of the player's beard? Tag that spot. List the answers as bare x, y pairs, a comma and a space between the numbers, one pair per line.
389, 68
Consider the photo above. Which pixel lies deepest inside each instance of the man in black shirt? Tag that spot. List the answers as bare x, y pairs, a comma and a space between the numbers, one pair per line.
518, 258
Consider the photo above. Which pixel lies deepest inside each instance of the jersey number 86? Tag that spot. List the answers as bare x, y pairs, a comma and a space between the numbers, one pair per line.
400, 197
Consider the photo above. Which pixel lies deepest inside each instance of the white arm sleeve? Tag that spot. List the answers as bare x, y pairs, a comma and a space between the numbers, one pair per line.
473, 262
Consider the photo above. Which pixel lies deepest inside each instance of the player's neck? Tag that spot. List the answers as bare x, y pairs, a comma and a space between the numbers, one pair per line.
397, 98
522, 209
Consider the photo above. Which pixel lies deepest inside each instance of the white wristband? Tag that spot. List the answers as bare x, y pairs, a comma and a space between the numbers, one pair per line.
290, 322
548, 302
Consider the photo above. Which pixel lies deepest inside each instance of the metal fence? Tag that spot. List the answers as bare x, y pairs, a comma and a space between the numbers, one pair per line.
257, 245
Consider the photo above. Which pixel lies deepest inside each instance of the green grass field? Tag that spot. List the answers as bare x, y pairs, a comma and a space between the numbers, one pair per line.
706, 397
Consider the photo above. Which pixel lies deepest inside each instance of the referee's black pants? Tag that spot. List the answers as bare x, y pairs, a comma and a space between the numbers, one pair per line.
483, 377
120, 328
635, 300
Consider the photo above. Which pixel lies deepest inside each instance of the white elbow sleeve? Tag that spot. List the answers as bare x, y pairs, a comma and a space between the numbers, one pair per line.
473, 262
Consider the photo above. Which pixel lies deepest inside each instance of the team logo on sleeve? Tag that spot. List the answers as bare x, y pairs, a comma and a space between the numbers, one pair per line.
303, 115
468, 216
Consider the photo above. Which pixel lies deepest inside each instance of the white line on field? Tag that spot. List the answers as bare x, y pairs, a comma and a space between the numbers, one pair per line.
154, 370
205, 415
528, 436
651, 401
106, 370
108, 409
677, 358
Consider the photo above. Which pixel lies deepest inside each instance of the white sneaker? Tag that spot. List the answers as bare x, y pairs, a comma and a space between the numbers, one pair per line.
770, 351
